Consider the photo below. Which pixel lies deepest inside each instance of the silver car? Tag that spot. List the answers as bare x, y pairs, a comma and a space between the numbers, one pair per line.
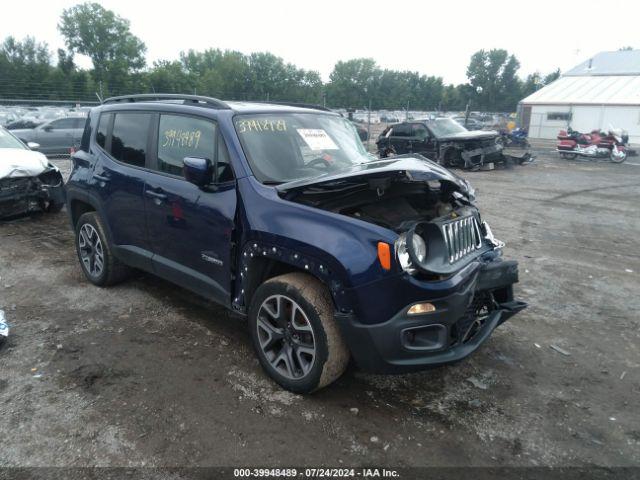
55, 137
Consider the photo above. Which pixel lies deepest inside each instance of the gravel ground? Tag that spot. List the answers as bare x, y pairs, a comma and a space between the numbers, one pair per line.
147, 374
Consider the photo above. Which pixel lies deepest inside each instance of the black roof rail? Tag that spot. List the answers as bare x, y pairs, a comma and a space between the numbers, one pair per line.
301, 105
150, 97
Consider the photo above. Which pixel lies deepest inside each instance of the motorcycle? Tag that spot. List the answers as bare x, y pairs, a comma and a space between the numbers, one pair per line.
597, 144
514, 138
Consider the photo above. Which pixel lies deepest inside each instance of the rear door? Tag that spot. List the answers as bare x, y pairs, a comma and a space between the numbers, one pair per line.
190, 228
399, 139
122, 140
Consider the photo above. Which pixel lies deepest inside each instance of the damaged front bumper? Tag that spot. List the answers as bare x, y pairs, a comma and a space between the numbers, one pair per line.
473, 156
20, 195
468, 307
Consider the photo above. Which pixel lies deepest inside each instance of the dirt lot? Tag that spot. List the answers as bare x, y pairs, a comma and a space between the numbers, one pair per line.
148, 374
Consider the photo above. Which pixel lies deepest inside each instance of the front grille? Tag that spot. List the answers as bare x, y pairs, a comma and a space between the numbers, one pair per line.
462, 236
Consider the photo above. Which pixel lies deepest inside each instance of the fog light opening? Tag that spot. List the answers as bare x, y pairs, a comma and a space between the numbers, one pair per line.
421, 308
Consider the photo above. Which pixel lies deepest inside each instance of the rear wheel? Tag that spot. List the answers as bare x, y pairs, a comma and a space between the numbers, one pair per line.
96, 257
294, 333
569, 156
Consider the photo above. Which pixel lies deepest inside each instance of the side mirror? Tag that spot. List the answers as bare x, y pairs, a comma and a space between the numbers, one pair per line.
47, 128
198, 171
33, 145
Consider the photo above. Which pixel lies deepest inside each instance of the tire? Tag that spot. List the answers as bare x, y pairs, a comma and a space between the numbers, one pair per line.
570, 156
52, 207
283, 348
615, 159
89, 228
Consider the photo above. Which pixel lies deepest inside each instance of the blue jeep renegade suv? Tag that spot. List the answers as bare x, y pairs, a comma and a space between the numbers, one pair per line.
280, 214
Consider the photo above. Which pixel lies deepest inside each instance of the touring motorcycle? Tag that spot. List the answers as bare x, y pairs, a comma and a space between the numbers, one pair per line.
597, 144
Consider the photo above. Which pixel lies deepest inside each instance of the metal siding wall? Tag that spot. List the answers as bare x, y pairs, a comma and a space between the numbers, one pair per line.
543, 128
627, 118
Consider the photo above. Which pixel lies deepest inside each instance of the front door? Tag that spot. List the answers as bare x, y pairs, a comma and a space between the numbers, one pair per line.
190, 228
422, 142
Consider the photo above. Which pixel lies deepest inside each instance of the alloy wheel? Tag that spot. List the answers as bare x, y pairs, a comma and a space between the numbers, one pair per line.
91, 251
286, 337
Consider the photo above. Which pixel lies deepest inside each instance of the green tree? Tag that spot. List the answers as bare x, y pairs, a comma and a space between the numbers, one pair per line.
352, 82
92, 30
493, 76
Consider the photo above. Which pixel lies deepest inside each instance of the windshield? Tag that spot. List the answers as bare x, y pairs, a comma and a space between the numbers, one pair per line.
442, 127
291, 146
9, 141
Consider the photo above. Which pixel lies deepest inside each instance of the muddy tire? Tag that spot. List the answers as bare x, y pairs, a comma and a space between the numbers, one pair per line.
294, 333
94, 251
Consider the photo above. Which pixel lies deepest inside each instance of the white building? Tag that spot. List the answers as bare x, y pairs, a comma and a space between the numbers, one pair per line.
601, 92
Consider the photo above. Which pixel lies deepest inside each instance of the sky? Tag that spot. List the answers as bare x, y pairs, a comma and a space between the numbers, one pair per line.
433, 38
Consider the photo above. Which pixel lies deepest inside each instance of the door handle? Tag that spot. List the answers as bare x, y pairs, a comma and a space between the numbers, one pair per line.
155, 195
100, 178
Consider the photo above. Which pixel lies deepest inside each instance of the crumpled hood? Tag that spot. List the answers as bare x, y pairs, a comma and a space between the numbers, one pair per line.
17, 162
471, 135
411, 168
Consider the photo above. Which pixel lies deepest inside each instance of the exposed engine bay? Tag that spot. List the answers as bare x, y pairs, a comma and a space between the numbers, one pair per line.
397, 207
431, 210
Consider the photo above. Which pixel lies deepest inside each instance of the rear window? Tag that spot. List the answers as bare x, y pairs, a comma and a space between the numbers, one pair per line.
129, 138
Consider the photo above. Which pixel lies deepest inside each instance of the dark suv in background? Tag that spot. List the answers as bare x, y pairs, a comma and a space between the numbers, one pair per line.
278, 213
445, 141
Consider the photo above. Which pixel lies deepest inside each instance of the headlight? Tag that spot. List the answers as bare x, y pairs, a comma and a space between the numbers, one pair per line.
419, 247
411, 249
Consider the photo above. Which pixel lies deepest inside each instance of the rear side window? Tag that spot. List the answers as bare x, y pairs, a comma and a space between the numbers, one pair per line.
401, 130
129, 138
103, 125
181, 136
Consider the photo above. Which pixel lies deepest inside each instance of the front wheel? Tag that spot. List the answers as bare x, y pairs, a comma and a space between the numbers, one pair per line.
569, 156
51, 206
294, 333
619, 158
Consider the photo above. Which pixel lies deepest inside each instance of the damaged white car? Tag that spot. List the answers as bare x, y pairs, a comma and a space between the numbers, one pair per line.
28, 182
